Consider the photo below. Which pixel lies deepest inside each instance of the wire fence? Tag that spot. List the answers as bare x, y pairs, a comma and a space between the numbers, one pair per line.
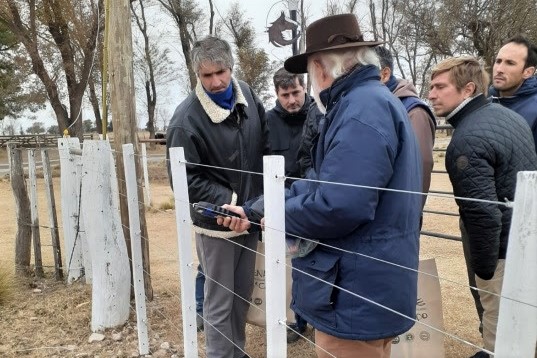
164, 250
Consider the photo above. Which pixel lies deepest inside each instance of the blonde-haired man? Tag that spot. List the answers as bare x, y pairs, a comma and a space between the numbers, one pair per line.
489, 146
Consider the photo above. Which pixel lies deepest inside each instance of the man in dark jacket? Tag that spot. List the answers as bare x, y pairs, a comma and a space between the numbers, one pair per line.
514, 84
490, 145
222, 124
419, 113
365, 139
286, 120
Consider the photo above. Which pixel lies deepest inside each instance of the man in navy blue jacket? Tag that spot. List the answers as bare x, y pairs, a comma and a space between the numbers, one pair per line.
514, 84
365, 139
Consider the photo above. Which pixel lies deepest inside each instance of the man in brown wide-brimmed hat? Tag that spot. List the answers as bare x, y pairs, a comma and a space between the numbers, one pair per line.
351, 286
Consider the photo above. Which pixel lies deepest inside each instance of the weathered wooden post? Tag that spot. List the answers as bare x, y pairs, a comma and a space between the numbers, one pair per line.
136, 248
34, 214
53, 219
147, 192
23, 239
76, 260
123, 100
109, 259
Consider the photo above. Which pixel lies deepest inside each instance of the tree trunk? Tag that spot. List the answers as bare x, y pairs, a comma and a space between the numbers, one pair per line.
96, 108
124, 118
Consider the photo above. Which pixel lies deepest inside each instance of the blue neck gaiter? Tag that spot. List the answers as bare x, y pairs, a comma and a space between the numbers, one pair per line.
224, 99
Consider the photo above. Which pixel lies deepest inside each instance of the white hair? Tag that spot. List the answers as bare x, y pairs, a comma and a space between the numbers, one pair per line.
339, 62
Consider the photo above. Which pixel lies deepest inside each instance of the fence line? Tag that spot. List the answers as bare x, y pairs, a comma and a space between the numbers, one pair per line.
418, 193
355, 253
506, 203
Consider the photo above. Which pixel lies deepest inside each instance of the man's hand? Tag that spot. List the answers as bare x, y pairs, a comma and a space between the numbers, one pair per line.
236, 224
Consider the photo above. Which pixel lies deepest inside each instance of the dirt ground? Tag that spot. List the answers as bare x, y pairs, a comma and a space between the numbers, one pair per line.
46, 318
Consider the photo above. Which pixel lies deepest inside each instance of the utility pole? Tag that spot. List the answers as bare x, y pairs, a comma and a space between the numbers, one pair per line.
293, 7
124, 119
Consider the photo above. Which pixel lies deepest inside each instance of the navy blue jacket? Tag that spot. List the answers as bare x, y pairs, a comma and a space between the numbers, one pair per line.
365, 139
523, 102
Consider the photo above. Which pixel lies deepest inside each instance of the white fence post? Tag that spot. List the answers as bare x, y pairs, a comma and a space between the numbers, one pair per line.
73, 233
184, 239
275, 270
147, 192
517, 323
34, 214
136, 247
111, 273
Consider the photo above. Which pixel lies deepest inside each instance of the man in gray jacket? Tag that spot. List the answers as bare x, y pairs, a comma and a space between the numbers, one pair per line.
221, 126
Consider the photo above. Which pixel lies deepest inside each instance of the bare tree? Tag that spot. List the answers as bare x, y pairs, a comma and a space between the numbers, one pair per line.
71, 27
187, 16
334, 7
211, 18
479, 27
150, 83
254, 66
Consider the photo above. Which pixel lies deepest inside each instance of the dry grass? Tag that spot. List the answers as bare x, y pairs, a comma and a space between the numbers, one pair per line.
7, 285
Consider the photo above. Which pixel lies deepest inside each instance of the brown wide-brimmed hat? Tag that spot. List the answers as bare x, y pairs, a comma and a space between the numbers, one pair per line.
328, 33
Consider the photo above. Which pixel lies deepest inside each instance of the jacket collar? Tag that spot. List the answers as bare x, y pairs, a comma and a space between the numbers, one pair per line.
341, 85
528, 87
216, 113
465, 108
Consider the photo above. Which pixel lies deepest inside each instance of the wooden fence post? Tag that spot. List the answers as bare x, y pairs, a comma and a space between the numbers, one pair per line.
108, 250
23, 239
73, 232
147, 192
34, 214
136, 248
516, 334
275, 269
53, 219
186, 260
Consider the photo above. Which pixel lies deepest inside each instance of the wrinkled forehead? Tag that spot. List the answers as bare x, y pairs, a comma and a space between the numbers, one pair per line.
210, 67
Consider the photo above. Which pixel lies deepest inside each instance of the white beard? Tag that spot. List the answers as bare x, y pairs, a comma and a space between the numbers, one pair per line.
316, 90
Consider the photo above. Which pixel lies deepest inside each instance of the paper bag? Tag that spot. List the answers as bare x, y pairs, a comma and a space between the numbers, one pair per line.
421, 341
257, 316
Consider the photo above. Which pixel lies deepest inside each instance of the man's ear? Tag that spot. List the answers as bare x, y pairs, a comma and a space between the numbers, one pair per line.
469, 89
528, 72
385, 74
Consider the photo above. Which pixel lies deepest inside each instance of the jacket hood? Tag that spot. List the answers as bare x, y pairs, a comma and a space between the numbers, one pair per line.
528, 87
283, 113
405, 88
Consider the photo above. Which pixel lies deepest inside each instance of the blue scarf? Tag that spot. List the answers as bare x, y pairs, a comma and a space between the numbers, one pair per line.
224, 99
392, 83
